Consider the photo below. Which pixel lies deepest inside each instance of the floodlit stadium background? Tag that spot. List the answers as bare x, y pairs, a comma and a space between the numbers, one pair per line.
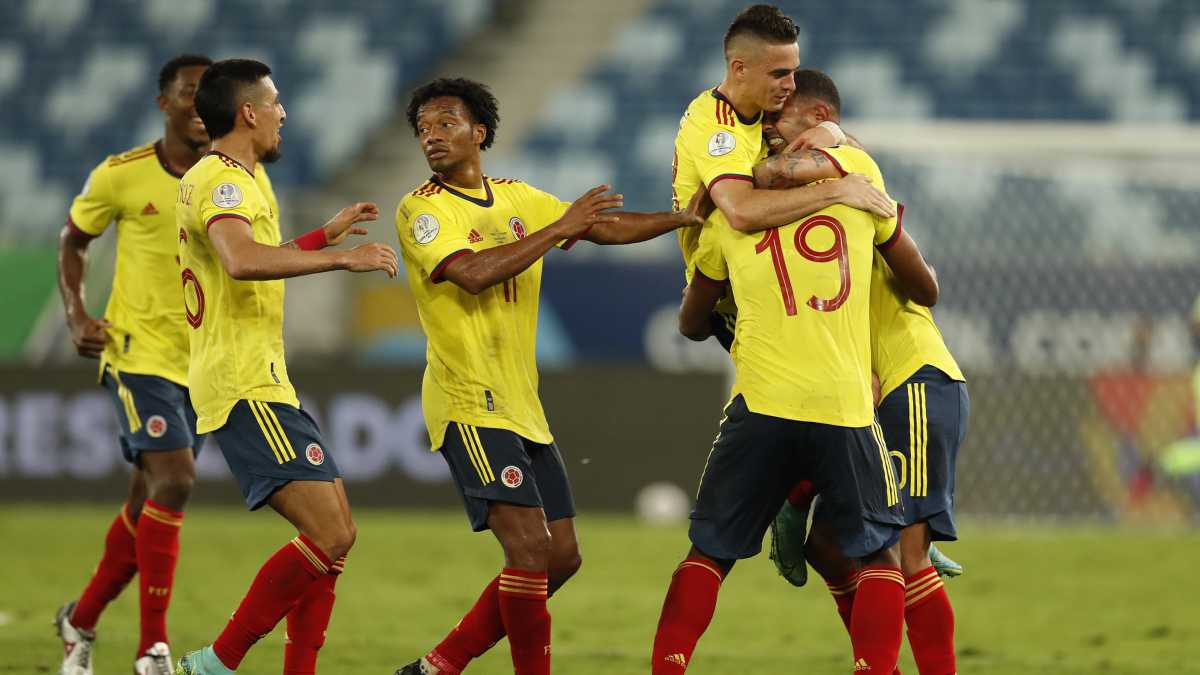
1047, 152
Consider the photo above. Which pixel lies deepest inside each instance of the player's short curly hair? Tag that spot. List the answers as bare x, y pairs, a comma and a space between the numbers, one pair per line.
816, 84
171, 68
765, 22
475, 96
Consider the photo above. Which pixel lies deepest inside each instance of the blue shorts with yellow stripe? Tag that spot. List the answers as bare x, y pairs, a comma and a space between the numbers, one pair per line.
924, 422
268, 445
498, 465
155, 414
757, 459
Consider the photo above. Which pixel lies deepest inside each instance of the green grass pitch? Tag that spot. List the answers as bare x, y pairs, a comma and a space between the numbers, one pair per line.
1034, 600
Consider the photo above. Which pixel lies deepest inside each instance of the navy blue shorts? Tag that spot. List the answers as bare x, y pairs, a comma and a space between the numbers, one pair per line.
268, 445
155, 414
757, 459
498, 465
924, 422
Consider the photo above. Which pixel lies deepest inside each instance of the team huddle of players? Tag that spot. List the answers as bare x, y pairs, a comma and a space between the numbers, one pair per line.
796, 261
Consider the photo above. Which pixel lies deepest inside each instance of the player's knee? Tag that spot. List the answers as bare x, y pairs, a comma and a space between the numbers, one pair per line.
528, 549
173, 491
342, 540
563, 568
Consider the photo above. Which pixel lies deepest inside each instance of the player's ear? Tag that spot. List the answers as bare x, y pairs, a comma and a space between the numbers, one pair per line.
162, 102
246, 112
480, 133
822, 111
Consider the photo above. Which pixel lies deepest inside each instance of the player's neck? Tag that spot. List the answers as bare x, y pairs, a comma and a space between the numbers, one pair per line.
180, 155
466, 175
740, 101
239, 148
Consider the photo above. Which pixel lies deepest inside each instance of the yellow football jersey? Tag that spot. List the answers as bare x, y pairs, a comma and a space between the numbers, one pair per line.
802, 346
236, 327
714, 143
481, 356
136, 190
904, 336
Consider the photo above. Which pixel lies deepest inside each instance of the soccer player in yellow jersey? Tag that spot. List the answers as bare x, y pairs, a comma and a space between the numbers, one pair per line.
720, 140
923, 413
473, 248
232, 268
142, 344
801, 409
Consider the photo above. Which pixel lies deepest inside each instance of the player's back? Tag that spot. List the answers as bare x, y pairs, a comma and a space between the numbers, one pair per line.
802, 341
904, 336
714, 143
236, 326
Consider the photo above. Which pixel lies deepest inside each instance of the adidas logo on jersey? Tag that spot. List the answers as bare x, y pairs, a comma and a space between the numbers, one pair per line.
149, 210
474, 237
861, 665
678, 659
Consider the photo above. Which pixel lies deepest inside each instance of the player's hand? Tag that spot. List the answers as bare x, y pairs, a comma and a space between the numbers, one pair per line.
701, 206
89, 335
371, 257
342, 225
816, 137
857, 191
589, 210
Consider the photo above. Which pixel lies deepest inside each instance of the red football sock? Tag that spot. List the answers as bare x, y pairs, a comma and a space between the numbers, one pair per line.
930, 621
687, 610
877, 621
479, 630
842, 591
307, 623
802, 495
157, 552
279, 585
117, 567
522, 596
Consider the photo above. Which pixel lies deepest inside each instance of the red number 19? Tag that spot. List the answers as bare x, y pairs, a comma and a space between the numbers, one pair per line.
837, 251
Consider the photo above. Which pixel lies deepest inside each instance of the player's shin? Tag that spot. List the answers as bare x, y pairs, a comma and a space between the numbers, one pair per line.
522, 598
877, 620
687, 610
117, 567
480, 629
157, 554
308, 621
279, 585
930, 619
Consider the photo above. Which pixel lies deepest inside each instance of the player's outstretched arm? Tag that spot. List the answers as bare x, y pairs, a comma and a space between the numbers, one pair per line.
699, 299
476, 272
630, 228
750, 209
338, 228
247, 260
917, 278
88, 334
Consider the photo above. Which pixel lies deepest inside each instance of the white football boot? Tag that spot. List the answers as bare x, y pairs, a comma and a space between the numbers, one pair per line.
156, 661
77, 644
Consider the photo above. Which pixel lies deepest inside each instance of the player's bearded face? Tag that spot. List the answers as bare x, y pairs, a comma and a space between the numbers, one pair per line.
783, 127
271, 115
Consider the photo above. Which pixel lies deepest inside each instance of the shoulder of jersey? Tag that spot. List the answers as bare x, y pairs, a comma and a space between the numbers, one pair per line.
708, 110
138, 154
426, 190
505, 181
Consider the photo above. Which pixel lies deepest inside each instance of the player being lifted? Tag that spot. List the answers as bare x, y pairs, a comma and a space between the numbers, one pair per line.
473, 248
923, 413
233, 266
720, 140
142, 345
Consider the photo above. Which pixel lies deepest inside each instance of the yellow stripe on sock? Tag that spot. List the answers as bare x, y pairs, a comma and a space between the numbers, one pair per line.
912, 600
160, 516
312, 557
267, 435
701, 566
128, 523
285, 445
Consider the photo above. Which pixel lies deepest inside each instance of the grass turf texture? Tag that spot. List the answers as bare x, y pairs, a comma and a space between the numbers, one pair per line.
1044, 600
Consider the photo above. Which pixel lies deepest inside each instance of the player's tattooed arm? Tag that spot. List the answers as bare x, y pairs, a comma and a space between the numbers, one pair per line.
699, 299
88, 334
793, 169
